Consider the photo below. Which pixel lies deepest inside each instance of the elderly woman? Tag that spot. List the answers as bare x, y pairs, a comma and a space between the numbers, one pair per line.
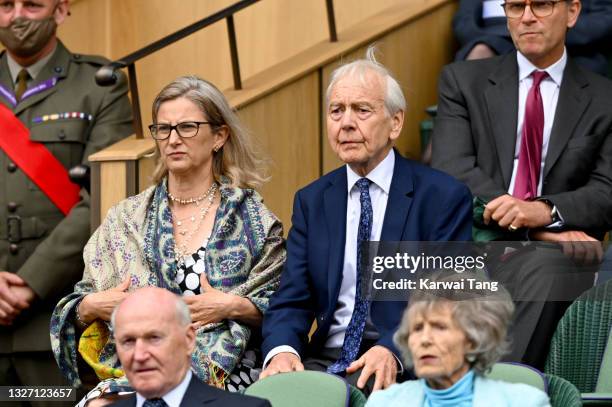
452, 338
201, 230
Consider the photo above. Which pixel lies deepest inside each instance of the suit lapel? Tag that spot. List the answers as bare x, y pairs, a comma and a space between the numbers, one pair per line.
399, 201
571, 105
57, 67
502, 102
334, 201
198, 394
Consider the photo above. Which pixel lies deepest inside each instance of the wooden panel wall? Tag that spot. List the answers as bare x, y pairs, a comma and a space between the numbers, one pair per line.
267, 32
286, 124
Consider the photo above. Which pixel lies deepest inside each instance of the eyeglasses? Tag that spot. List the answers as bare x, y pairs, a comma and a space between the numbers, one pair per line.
184, 130
539, 8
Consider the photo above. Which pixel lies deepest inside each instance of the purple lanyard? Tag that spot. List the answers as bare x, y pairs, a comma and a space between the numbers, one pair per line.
41, 87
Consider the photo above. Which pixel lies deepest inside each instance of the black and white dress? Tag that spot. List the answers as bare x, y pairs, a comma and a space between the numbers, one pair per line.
188, 275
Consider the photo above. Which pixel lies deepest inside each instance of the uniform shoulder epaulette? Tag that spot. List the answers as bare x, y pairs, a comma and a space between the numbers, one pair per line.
90, 59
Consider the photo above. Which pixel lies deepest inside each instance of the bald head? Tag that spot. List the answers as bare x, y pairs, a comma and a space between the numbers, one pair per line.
152, 298
154, 339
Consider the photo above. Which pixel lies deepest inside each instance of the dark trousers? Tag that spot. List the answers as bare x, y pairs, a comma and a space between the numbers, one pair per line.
327, 356
542, 282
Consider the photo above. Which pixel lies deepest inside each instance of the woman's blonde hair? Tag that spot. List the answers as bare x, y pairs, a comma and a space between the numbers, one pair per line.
239, 160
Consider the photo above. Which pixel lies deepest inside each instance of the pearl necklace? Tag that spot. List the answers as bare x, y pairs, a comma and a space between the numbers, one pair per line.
196, 200
181, 250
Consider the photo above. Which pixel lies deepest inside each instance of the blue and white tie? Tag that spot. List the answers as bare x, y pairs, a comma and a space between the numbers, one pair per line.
355, 328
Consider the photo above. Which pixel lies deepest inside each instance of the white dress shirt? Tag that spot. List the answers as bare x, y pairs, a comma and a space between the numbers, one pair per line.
549, 89
174, 397
379, 194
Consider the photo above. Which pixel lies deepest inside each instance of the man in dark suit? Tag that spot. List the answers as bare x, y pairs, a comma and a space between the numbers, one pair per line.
155, 340
378, 195
530, 132
480, 28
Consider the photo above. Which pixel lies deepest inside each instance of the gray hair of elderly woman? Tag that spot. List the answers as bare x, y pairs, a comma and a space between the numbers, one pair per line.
394, 97
240, 160
183, 316
483, 316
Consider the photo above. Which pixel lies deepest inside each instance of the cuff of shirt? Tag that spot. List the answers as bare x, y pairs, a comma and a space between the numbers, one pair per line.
276, 351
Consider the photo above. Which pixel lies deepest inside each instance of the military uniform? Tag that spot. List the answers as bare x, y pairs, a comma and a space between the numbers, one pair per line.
73, 119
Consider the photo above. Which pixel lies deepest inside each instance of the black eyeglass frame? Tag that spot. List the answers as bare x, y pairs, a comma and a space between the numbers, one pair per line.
175, 128
529, 3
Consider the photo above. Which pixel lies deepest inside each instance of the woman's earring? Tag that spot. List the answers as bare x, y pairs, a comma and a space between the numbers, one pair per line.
216, 149
470, 358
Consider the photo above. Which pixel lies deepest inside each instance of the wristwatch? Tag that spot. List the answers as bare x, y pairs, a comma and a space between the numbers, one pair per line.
554, 213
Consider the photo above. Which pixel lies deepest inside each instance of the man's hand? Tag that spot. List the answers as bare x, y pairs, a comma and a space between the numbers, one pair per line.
101, 304
576, 245
507, 210
282, 363
11, 304
379, 361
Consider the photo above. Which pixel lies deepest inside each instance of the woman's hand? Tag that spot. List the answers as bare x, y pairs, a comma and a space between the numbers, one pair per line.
210, 306
100, 305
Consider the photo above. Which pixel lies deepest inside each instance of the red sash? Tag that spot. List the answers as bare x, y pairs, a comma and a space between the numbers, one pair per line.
37, 162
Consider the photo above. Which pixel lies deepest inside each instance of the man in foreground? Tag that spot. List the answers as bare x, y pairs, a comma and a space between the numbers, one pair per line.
155, 340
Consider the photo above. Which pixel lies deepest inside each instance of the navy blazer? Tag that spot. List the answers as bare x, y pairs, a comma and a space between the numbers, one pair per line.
424, 204
201, 394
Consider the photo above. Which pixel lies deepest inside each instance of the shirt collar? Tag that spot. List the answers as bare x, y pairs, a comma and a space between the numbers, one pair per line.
555, 71
174, 397
33, 70
381, 175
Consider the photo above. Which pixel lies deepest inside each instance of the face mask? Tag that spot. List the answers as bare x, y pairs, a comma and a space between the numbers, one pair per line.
25, 37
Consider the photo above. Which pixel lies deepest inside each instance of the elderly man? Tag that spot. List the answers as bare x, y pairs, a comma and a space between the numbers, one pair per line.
52, 117
530, 132
378, 196
155, 340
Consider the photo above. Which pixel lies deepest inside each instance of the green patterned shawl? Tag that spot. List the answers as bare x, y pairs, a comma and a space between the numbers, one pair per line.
244, 256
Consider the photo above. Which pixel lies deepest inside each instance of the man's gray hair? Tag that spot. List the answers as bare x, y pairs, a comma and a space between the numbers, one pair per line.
183, 316
482, 315
394, 97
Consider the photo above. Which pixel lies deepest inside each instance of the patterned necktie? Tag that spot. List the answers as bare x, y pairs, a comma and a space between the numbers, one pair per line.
530, 154
22, 83
354, 330
154, 403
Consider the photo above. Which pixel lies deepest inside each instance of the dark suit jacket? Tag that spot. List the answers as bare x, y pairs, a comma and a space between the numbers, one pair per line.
423, 204
475, 135
201, 394
588, 42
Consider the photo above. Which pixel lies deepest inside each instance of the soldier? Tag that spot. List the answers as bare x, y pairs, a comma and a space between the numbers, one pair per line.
52, 117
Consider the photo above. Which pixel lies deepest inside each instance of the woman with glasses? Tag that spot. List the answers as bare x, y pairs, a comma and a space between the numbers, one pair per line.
202, 231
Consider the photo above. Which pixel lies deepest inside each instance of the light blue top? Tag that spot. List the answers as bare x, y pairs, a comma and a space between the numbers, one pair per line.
459, 394
487, 393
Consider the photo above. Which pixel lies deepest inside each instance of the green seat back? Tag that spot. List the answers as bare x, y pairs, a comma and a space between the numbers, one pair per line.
580, 340
516, 373
302, 389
